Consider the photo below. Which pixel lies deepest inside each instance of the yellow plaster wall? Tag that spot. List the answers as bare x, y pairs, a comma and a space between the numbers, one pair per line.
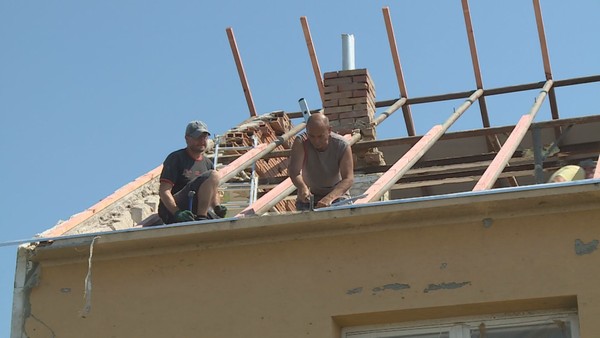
311, 287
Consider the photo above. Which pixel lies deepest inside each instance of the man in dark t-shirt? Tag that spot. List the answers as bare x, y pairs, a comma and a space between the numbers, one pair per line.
188, 182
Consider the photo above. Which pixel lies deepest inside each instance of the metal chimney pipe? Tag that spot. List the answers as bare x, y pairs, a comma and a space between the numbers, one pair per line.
348, 52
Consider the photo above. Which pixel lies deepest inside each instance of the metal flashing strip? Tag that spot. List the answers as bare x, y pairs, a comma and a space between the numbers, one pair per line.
463, 194
89, 236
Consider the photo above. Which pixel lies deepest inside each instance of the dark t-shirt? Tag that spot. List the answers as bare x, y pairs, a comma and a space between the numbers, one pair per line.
179, 169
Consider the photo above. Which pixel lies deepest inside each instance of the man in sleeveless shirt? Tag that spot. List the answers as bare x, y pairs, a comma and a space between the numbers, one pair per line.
188, 181
320, 165
585, 169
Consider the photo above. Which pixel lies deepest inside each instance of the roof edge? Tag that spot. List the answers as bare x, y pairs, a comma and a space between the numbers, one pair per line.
77, 219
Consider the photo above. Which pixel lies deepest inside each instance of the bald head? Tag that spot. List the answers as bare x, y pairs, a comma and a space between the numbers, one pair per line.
317, 121
317, 130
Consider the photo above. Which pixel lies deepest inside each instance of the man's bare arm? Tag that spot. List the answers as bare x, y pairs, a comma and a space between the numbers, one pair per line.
164, 191
295, 170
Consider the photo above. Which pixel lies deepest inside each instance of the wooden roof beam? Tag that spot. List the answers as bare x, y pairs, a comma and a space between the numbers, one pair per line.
408, 120
492, 142
387, 180
448, 136
501, 160
255, 154
475, 60
388, 112
241, 72
313, 58
488, 92
545, 56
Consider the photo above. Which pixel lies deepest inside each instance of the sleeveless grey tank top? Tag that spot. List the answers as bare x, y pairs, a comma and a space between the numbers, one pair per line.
321, 170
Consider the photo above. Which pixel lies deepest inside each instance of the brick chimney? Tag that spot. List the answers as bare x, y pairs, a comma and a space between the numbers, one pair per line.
350, 104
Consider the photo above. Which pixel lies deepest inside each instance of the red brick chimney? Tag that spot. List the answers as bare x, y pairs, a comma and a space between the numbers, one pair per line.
350, 104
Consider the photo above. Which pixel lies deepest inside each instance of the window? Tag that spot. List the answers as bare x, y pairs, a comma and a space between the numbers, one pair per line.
522, 325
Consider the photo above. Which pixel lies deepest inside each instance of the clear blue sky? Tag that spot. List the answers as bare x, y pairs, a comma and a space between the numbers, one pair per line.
95, 94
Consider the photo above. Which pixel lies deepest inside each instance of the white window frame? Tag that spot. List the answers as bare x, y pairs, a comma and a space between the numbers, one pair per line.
461, 327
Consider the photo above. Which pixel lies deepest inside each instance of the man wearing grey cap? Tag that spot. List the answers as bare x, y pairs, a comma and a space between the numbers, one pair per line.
589, 166
188, 181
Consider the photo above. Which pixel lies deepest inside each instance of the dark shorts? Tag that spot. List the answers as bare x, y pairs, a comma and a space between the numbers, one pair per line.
183, 198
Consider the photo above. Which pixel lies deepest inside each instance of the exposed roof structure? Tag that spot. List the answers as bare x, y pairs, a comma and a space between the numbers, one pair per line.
436, 163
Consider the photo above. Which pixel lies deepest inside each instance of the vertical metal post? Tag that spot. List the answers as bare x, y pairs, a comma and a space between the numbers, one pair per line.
537, 155
216, 156
253, 177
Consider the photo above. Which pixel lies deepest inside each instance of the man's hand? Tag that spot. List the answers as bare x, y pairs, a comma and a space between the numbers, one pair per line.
184, 216
303, 194
324, 202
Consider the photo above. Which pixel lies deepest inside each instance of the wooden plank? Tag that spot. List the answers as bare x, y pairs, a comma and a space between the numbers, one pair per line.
448, 136
491, 174
493, 91
408, 120
384, 183
241, 72
268, 200
475, 61
313, 57
251, 156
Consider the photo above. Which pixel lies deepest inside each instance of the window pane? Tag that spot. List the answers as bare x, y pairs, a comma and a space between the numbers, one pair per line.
557, 330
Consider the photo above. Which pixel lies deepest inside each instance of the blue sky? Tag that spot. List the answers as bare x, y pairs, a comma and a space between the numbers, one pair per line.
95, 94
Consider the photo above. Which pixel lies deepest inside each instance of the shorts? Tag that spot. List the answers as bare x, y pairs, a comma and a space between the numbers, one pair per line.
182, 197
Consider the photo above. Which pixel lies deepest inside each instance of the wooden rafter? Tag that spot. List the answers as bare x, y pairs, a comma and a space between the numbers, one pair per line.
387, 180
313, 58
545, 56
488, 92
408, 120
255, 154
501, 160
364, 145
475, 60
241, 72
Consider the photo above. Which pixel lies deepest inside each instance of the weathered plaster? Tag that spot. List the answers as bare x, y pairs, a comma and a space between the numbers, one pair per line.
582, 248
445, 286
393, 287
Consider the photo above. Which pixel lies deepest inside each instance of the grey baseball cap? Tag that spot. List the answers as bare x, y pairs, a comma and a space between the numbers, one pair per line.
589, 163
196, 128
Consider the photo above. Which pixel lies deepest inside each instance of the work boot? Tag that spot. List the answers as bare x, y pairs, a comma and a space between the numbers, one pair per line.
220, 210
212, 215
201, 218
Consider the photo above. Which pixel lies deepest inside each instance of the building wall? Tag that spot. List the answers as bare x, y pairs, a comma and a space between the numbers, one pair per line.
385, 264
